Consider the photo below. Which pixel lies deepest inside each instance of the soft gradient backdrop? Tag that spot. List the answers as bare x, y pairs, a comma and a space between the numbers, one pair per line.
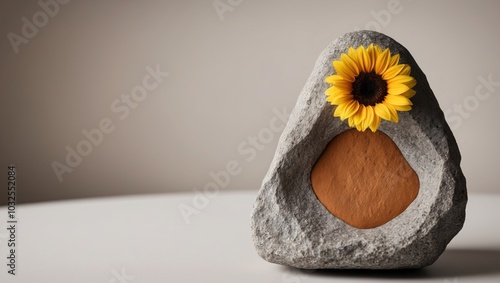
232, 64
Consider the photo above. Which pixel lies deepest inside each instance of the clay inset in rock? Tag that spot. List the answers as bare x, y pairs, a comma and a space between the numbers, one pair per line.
363, 179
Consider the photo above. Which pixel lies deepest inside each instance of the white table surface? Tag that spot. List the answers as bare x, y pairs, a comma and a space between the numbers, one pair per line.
145, 239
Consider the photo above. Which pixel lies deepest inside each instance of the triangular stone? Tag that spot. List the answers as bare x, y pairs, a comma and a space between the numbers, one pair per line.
291, 226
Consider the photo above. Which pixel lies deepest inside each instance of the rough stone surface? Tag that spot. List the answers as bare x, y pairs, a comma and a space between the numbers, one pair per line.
291, 227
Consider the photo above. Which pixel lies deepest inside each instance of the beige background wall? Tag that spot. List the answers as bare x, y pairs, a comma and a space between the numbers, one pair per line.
229, 72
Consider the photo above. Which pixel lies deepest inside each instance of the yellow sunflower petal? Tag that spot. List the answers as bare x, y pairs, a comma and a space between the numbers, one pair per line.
382, 62
397, 88
345, 85
339, 81
392, 110
352, 53
397, 100
394, 60
360, 115
339, 99
409, 93
332, 91
333, 79
372, 57
344, 71
358, 118
375, 124
382, 111
355, 116
350, 121
402, 107
363, 59
346, 110
391, 72
369, 117
350, 63
350, 109
339, 110
406, 70
359, 128
403, 79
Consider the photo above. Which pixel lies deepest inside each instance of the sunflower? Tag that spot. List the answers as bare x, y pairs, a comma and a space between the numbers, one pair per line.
370, 85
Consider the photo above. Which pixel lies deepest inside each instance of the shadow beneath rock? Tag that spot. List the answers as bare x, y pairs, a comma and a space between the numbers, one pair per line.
452, 263
465, 262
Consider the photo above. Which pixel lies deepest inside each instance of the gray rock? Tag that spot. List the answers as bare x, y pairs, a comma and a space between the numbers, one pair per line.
291, 227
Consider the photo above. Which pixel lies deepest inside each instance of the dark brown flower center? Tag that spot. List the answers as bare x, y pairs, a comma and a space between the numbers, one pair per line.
369, 88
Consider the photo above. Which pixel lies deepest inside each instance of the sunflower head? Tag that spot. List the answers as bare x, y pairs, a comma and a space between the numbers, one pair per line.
370, 85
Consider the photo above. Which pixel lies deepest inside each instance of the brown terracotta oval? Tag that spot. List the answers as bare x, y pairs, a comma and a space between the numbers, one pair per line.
363, 179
